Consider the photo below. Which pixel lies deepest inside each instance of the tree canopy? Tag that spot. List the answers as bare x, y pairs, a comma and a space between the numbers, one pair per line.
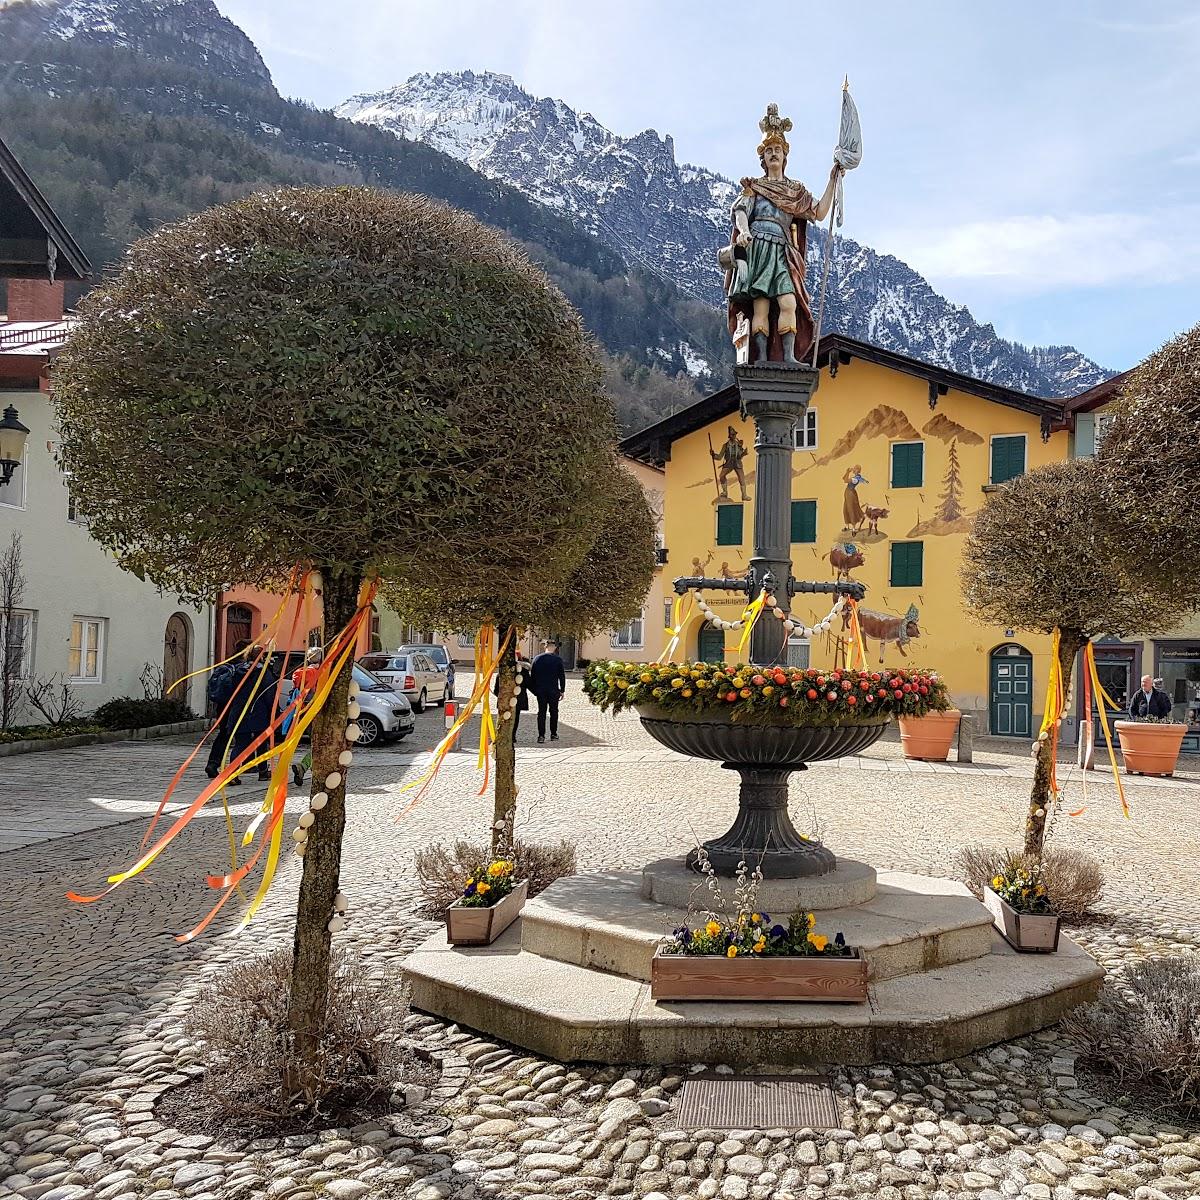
1039, 558
336, 376
1150, 463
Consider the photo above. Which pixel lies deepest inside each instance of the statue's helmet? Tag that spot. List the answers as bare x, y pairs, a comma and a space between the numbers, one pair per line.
773, 128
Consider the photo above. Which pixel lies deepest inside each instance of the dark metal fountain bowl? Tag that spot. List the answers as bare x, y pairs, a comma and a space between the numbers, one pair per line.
714, 735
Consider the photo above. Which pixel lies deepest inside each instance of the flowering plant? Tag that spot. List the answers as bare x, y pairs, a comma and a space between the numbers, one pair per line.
488, 885
1022, 889
780, 695
754, 935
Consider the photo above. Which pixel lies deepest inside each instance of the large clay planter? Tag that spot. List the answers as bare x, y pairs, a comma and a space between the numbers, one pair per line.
715, 977
930, 737
1150, 749
482, 926
1035, 933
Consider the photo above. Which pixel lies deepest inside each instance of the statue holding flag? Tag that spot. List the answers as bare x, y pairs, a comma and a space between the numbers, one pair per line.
766, 256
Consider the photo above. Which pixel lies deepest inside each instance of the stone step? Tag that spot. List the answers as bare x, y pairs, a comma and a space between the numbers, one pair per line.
574, 1014
600, 920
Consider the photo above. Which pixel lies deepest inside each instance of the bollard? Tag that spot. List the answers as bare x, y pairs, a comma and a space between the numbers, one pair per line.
449, 716
966, 738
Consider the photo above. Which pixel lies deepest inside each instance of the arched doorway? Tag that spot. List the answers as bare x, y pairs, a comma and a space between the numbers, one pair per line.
1010, 691
239, 626
177, 655
710, 647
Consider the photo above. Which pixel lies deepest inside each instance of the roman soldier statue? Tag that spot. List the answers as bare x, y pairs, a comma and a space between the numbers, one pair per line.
765, 259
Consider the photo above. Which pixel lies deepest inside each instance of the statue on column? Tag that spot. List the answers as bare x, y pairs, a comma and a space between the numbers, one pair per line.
765, 259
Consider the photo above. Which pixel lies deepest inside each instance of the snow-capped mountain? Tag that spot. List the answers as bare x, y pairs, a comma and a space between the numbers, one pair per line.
191, 32
630, 193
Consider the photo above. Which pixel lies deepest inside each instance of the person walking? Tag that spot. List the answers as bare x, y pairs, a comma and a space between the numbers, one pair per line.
1149, 701
548, 682
248, 716
305, 680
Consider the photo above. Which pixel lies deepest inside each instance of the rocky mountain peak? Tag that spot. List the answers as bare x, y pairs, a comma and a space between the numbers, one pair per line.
631, 193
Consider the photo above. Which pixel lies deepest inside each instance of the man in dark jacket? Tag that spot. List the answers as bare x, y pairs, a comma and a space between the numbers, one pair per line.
1149, 701
249, 715
548, 682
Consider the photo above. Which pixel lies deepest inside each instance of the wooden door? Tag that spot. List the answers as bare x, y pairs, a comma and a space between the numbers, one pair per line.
1010, 704
711, 645
177, 655
239, 626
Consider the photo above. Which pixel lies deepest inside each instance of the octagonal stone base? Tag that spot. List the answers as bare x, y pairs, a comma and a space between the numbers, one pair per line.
670, 882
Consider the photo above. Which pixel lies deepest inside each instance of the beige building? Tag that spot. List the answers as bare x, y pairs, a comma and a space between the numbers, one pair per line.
75, 619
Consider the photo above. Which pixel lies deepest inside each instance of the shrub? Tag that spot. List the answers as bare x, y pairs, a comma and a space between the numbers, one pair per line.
1074, 881
37, 733
241, 1023
442, 870
1145, 1028
128, 712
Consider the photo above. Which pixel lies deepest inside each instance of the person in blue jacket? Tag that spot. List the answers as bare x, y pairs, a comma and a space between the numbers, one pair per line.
548, 682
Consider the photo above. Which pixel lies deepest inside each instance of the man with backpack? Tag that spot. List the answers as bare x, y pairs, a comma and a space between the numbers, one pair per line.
250, 713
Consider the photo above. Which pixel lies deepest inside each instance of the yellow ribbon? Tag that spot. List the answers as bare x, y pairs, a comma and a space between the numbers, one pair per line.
749, 618
682, 619
1103, 698
1052, 709
860, 648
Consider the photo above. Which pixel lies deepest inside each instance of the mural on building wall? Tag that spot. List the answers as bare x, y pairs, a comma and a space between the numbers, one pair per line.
882, 421
950, 516
845, 557
949, 430
885, 628
728, 461
698, 567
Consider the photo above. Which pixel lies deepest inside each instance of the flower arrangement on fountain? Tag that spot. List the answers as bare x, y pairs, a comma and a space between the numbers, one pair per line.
791, 695
754, 935
489, 885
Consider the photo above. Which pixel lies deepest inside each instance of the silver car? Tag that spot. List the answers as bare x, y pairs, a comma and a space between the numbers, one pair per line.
384, 714
412, 673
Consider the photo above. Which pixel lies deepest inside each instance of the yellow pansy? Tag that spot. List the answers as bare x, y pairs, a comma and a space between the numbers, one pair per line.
819, 940
732, 952
712, 929
811, 919
760, 945
483, 888
997, 882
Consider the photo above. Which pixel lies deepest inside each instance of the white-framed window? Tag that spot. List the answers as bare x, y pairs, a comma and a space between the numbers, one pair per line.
12, 493
85, 662
631, 636
17, 637
804, 433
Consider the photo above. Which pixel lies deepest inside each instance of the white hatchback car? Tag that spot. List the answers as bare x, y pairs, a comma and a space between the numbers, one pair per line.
413, 674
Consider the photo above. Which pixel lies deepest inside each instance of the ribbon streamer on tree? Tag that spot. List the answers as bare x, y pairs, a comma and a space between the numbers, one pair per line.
1102, 699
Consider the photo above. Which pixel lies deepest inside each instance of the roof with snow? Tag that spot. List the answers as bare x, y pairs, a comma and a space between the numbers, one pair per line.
653, 444
34, 243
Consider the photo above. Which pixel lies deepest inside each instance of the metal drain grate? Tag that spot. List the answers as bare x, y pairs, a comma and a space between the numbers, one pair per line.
758, 1102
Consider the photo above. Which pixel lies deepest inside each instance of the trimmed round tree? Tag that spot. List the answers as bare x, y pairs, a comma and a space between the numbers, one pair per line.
606, 588
1149, 465
1038, 559
318, 377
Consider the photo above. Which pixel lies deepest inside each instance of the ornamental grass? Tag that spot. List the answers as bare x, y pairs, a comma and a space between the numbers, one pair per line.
778, 695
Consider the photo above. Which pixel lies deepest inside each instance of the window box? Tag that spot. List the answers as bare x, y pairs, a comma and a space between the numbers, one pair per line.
778, 977
1031, 933
482, 926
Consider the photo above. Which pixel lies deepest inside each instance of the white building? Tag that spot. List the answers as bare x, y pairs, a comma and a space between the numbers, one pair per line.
77, 618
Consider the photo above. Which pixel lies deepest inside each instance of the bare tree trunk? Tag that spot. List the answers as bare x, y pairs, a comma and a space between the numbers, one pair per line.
323, 857
1040, 797
505, 802
12, 653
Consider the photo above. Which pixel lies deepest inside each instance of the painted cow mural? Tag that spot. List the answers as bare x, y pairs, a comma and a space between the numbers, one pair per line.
844, 557
884, 628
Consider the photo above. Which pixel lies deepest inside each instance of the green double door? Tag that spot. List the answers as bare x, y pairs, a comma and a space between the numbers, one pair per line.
1010, 700
711, 646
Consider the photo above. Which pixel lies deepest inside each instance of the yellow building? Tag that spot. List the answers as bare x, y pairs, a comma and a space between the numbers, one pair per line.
894, 459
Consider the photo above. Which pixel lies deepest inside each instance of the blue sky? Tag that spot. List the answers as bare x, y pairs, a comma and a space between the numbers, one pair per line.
1039, 162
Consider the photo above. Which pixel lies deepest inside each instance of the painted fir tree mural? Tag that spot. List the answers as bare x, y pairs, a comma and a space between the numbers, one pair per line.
950, 503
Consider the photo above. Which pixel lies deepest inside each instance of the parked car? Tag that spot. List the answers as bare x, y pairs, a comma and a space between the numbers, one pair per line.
413, 674
439, 656
384, 713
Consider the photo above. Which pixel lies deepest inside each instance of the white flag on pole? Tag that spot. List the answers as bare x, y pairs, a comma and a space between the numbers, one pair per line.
849, 148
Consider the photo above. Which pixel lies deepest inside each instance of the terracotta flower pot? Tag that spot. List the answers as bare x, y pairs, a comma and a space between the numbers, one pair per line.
1032, 932
475, 926
1150, 749
778, 977
929, 737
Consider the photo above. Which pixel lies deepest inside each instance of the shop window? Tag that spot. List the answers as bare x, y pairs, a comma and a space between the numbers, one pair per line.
908, 564
804, 521
908, 464
1008, 458
1179, 668
729, 524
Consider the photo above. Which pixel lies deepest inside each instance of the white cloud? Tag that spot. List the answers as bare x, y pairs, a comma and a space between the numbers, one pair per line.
1046, 253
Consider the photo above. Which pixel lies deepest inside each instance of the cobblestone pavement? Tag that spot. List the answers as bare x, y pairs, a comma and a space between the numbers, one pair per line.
91, 996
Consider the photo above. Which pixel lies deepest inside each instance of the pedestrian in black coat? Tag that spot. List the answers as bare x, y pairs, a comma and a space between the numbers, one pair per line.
1149, 701
522, 691
548, 682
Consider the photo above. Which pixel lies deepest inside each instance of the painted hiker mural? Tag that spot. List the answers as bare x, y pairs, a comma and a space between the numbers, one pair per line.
728, 461
884, 628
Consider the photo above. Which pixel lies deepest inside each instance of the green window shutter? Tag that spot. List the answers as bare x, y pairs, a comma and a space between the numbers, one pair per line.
1008, 458
908, 464
804, 520
908, 564
729, 524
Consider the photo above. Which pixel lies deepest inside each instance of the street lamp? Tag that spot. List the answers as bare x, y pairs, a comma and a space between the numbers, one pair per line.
12, 444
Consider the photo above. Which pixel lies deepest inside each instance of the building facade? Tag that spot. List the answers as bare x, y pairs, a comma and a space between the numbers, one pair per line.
893, 460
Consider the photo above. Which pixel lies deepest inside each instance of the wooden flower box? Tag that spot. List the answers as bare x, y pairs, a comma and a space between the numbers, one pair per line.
1028, 932
471, 926
715, 977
